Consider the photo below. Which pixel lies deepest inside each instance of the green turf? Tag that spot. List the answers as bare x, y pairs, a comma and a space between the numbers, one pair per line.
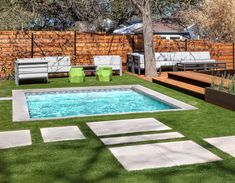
90, 161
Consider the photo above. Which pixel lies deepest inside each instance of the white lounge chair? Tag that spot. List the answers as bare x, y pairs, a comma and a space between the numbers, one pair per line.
28, 68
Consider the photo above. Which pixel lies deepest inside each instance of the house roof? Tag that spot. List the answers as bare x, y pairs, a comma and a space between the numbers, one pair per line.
165, 27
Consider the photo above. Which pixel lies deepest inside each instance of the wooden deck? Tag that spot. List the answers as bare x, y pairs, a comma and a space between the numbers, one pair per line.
185, 87
189, 82
196, 78
192, 83
199, 77
140, 76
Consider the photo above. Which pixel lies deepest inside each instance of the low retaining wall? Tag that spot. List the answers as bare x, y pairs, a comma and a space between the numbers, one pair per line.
220, 98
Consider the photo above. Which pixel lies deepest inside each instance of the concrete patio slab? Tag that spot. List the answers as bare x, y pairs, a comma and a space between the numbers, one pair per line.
11, 139
226, 144
187, 152
103, 128
55, 134
140, 138
161, 155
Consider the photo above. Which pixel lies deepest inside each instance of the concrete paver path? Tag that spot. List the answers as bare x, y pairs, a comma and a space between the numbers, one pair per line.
161, 155
126, 126
54, 134
11, 139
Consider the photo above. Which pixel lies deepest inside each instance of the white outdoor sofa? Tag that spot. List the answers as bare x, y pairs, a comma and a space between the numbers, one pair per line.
59, 64
169, 59
114, 61
39, 68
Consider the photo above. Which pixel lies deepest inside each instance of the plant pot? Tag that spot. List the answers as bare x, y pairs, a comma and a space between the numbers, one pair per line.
220, 98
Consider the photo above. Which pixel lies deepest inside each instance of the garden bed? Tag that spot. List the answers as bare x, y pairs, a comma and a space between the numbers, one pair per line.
220, 98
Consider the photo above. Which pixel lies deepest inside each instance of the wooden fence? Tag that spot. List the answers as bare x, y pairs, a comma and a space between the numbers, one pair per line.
81, 47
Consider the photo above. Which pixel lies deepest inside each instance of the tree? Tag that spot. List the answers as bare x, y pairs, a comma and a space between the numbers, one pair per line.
50, 14
160, 8
144, 7
215, 19
122, 10
14, 14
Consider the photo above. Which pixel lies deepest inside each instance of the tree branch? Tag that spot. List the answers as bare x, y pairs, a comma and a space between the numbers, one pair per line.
138, 5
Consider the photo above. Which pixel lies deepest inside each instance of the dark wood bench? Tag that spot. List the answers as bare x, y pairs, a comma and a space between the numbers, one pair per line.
200, 66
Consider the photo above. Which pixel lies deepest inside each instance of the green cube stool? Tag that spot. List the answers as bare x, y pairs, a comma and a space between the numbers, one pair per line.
104, 74
76, 75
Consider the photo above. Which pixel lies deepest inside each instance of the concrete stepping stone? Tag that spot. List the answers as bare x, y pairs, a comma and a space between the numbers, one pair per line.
226, 144
140, 138
103, 128
5, 98
55, 134
11, 139
161, 155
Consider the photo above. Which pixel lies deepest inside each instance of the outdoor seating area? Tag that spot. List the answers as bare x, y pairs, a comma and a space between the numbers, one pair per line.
40, 68
176, 61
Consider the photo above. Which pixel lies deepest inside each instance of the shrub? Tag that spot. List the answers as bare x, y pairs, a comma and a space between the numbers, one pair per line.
221, 85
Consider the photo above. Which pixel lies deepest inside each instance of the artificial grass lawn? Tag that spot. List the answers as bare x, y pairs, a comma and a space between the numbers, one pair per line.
90, 161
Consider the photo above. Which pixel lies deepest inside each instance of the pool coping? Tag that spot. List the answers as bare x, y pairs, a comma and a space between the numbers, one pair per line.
20, 111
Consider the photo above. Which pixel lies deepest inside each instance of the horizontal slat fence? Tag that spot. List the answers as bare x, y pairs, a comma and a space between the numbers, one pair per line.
96, 44
81, 47
219, 51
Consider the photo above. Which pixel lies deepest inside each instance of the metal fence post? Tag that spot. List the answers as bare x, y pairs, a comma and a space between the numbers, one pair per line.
32, 45
75, 47
133, 43
233, 57
186, 45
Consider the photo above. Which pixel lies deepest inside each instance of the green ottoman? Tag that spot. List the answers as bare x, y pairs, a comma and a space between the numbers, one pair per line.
76, 75
104, 74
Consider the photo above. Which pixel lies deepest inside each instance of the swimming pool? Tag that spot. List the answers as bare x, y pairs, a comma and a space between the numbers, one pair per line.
81, 103
78, 102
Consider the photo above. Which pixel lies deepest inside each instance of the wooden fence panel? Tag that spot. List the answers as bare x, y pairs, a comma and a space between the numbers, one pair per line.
82, 47
13, 45
50, 44
89, 45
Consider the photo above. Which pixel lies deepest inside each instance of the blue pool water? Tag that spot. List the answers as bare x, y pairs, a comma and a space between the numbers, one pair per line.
82, 103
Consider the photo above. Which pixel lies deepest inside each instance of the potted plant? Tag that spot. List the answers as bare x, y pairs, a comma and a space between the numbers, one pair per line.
222, 92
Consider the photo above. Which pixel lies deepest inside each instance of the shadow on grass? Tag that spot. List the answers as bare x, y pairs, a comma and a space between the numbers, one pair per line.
78, 161
4, 170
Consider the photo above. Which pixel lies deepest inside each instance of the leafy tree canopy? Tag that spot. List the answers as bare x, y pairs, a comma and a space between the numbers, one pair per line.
65, 14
